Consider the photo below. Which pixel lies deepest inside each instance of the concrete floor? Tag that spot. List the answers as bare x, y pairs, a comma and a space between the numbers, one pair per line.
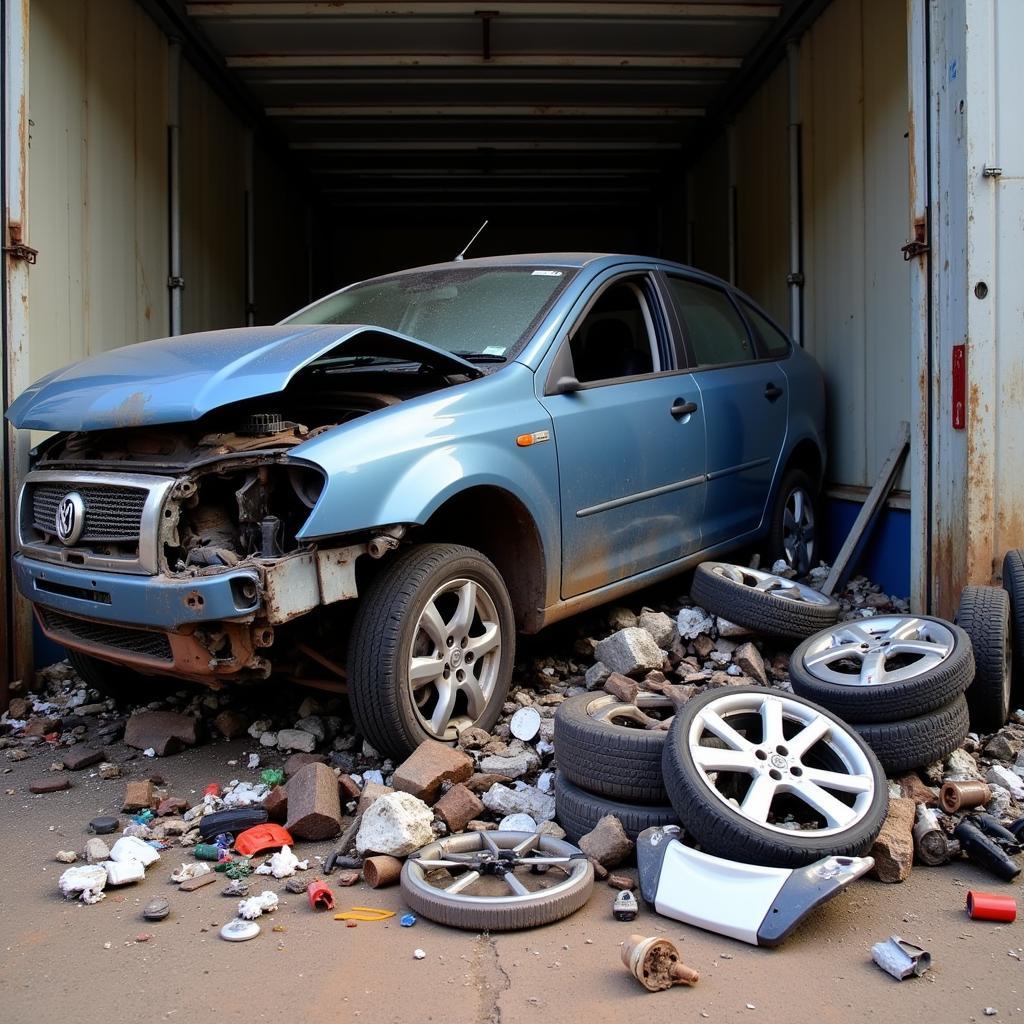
55, 964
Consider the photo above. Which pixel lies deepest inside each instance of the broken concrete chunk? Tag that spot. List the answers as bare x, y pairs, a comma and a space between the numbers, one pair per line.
749, 659
596, 675
80, 756
430, 765
296, 739
914, 789
893, 850
660, 626
458, 807
622, 688
96, 851
165, 732
503, 800
998, 775
630, 652
730, 629
314, 808
607, 843
396, 824
512, 766
960, 765
692, 622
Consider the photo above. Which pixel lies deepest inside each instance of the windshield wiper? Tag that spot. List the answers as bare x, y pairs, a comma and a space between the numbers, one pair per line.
481, 357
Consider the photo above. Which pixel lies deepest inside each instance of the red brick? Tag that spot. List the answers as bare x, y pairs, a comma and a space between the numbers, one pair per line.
458, 807
51, 784
430, 765
138, 796
166, 732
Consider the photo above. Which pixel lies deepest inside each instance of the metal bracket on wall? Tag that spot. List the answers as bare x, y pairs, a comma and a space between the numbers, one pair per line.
17, 249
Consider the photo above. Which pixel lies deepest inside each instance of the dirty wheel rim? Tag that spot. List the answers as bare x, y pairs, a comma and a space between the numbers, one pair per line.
798, 530
455, 657
608, 710
768, 583
877, 651
518, 866
782, 764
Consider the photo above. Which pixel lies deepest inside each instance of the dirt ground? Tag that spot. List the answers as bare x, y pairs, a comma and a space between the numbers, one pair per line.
62, 961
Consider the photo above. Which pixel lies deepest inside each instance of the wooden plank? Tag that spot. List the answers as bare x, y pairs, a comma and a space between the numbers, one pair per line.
863, 525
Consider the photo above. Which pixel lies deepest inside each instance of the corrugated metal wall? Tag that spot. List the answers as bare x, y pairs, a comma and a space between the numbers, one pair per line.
853, 110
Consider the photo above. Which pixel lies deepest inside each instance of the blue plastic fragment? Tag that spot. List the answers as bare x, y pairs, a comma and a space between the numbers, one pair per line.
407, 920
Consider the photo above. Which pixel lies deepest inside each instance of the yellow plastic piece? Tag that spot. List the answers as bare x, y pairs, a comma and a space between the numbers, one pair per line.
364, 914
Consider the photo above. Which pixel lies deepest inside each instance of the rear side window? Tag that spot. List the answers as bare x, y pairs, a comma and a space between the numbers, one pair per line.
712, 324
773, 342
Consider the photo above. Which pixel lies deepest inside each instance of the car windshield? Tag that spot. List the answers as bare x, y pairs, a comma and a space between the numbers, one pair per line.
479, 313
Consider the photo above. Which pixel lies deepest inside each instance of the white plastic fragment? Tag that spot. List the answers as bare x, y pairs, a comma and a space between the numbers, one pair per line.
124, 872
517, 823
418, 954
192, 870
149, 752
525, 724
86, 881
282, 864
246, 794
265, 903
254, 761
132, 848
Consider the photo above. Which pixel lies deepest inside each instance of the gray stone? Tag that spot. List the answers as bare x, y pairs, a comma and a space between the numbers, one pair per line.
608, 843
893, 850
621, 618
514, 766
96, 851
296, 739
960, 766
311, 724
596, 675
1002, 747
396, 824
1001, 776
551, 828
631, 652
999, 805
749, 659
692, 622
500, 799
268, 739
660, 626
730, 629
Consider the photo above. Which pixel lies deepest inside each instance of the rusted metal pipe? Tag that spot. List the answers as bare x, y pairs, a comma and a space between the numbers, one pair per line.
959, 796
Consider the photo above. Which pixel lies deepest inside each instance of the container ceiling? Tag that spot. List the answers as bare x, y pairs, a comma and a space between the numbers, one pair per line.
579, 103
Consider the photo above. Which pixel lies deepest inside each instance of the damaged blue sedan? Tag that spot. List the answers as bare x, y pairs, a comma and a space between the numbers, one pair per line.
378, 493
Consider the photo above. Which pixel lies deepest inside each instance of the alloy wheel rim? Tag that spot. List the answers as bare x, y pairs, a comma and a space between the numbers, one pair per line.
798, 530
609, 710
878, 651
781, 764
768, 583
455, 658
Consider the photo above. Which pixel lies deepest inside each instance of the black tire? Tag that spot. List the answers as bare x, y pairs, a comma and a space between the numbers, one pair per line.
1013, 583
916, 742
795, 481
383, 632
606, 758
721, 830
498, 914
759, 610
984, 615
578, 812
889, 702
121, 684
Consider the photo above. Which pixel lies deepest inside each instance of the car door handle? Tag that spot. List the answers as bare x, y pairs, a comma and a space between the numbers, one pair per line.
681, 408
771, 392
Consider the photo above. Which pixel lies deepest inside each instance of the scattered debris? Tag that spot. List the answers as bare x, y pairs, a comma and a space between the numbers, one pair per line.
395, 824
381, 871
900, 958
254, 906
163, 732
87, 881
625, 906
988, 906
656, 963
239, 930
320, 896
156, 909
282, 864
66, 856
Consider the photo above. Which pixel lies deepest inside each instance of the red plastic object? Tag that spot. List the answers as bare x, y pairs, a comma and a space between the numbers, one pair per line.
262, 837
320, 897
213, 789
988, 906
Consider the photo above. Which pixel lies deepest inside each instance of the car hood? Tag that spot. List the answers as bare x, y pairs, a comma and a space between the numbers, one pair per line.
178, 379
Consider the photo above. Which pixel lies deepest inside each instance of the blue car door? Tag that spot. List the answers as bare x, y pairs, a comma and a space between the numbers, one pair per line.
746, 407
629, 433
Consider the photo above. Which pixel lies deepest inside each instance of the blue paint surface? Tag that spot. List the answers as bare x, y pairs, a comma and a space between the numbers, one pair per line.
886, 560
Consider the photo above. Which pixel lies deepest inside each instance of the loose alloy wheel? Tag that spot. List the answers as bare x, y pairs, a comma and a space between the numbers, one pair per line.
613, 747
496, 881
762, 601
883, 668
768, 778
432, 648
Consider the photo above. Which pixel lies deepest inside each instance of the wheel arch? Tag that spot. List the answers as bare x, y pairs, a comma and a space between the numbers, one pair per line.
517, 549
806, 455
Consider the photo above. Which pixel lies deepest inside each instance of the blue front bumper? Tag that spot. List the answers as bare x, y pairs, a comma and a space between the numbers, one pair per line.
155, 601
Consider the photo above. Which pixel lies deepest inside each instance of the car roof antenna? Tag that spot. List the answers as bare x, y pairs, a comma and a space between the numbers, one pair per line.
458, 259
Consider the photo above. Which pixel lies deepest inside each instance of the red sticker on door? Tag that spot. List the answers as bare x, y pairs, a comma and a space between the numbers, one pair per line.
959, 387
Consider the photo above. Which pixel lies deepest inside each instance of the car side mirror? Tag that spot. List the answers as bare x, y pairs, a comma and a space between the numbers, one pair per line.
567, 385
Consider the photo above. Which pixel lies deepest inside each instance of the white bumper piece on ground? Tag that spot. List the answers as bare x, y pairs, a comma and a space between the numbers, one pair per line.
748, 902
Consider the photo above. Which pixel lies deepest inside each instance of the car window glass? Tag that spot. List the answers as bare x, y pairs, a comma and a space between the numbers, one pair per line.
712, 324
774, 342
614, 339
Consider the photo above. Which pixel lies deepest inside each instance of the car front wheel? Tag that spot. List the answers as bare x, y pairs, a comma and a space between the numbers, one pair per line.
432, 649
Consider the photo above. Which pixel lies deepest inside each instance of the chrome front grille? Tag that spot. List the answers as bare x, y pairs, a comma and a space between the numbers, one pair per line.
112, 514
139, 642
121, 516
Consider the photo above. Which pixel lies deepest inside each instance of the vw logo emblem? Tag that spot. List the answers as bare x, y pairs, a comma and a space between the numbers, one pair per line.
70, 518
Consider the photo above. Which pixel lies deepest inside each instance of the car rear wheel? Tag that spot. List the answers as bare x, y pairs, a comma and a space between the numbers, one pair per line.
794, 526
432, 648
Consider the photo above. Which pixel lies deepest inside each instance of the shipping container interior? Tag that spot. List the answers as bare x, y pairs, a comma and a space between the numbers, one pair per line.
766, 142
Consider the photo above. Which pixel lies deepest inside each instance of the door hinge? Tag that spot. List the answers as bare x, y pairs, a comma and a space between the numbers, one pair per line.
17, 249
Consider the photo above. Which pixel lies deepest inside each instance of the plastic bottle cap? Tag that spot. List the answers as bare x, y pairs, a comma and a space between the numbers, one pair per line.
239, 930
